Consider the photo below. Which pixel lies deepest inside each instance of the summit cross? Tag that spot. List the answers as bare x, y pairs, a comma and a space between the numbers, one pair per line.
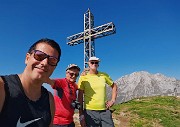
89, 35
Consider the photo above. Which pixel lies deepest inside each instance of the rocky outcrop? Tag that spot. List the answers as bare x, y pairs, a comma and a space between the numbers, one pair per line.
143, 84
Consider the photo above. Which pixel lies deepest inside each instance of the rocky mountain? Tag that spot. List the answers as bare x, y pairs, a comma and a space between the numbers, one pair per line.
143, 84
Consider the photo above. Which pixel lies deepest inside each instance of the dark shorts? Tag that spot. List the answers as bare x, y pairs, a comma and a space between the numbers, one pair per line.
98, 118
67, 125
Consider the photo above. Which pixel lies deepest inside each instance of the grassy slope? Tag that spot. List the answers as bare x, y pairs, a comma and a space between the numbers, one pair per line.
148, 112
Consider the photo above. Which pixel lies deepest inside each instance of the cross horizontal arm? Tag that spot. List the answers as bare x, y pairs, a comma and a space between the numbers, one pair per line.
97, 32
75, 39
103, 30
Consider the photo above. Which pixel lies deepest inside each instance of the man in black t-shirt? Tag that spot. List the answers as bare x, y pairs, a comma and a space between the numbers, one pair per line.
24, 102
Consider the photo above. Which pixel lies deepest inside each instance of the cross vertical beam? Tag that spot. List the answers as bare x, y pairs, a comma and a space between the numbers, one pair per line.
89, 35
89, 45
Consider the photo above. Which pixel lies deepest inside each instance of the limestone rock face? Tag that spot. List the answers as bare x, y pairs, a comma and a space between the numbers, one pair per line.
143, 84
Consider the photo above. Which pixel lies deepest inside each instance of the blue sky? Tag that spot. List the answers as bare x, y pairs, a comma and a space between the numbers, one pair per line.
147, 34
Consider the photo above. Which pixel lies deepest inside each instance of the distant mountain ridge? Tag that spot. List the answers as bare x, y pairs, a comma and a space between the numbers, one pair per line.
143, 84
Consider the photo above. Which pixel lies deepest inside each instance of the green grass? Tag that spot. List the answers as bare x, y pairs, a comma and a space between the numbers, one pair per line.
151, 111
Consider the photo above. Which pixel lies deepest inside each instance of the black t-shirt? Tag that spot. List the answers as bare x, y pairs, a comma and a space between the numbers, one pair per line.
19, 111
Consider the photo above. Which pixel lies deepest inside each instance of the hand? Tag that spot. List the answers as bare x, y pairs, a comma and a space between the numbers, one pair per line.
85, 71
109, 104
82, 121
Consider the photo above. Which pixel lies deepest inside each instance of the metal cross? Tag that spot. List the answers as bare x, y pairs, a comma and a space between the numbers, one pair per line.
89, 35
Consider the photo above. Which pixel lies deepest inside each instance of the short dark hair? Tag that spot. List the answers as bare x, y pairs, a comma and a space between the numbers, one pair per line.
50, 42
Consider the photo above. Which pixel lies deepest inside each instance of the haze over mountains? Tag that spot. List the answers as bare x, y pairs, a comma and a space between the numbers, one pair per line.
143, 84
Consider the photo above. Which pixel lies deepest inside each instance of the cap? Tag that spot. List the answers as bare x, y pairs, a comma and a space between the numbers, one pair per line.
72, 66
94, 59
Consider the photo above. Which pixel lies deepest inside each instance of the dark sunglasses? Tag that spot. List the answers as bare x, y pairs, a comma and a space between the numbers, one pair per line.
94, 62
39, 56
73, 74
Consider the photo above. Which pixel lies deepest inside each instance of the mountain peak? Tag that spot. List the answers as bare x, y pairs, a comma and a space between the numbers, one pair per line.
143, 84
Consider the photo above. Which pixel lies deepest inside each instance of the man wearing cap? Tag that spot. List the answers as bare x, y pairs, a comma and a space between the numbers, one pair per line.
92, 88
64, 96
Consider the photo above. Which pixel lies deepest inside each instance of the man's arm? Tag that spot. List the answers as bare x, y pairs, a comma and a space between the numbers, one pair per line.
114, 92
113, 97
81, 115
50, 81
80, 99
2, 94
52, 108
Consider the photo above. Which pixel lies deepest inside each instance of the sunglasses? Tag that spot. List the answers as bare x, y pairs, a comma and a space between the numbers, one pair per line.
39, 56
73, 74
94, 62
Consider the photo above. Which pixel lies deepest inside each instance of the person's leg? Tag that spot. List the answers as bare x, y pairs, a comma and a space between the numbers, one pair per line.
106, 119
92, 118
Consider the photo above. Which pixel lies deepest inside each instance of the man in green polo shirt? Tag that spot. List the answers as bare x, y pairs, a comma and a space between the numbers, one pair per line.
92, 87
